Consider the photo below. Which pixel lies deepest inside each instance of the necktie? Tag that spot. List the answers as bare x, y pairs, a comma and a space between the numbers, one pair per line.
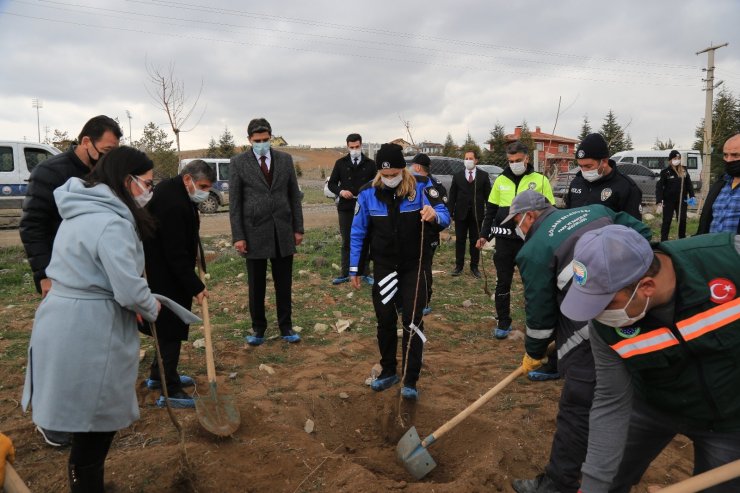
355, 161
470, 177
265, 171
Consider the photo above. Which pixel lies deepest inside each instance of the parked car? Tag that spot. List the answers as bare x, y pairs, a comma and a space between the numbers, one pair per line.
444, 167
17, 159
642, 176
657, 160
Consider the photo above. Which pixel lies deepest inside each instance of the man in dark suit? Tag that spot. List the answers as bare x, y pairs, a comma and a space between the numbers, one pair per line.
170, 269
468, 194
350, 173
266, 223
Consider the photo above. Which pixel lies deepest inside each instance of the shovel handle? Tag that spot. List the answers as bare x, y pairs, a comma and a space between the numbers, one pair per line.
706, 479
13, 483
210, 364
472, 408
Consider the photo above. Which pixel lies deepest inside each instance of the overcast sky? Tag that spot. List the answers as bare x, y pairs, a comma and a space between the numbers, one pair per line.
319, 70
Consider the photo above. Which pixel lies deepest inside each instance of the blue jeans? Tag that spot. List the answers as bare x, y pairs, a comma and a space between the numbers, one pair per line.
651, 431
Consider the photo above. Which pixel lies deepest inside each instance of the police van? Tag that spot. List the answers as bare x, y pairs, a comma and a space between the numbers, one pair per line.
220, 191
657, 160
17, 159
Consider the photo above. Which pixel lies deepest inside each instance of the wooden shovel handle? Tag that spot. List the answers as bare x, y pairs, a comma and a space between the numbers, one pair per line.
210, 364
473, 407
13, 483
704, 480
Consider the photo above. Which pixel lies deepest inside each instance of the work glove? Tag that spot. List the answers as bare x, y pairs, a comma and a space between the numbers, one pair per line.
659, 208
691, 201
7, 452
529, 363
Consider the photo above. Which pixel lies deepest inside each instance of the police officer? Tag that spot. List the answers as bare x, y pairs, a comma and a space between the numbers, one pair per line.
420, 166
545, 265
391, 214
518, 176
674, 192
600, 182
665, 337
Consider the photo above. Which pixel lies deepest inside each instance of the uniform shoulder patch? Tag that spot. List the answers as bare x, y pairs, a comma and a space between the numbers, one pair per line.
433, 193
532, 186
606, 193
722, 290
444, 199
627, 332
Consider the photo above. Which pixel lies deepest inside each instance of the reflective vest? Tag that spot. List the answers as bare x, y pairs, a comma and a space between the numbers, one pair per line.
504, 190
691, 368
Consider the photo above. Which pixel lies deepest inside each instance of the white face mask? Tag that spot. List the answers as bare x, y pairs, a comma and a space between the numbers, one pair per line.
469, 164
392, 182
593, 174
518, 230
619, 316
146, 195
197, 195
518, 167
676, 162
355, 153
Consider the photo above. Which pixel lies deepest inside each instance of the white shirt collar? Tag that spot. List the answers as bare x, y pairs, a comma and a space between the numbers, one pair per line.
267, 161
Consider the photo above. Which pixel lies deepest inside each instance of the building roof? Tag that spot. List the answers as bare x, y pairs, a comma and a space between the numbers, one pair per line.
538, 135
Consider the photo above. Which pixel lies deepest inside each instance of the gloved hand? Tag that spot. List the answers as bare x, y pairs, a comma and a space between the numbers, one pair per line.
529, 363
659, 208
691, 201
7, 452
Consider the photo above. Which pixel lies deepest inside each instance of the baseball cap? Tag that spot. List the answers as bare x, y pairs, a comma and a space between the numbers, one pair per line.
605, 260
593, 146
528, 200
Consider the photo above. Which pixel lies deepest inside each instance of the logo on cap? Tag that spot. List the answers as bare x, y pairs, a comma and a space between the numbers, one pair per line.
581, 154
722, 290
579, 273
385, 165
606, 193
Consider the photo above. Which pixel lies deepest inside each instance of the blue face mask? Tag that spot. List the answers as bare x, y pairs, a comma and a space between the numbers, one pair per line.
261, 148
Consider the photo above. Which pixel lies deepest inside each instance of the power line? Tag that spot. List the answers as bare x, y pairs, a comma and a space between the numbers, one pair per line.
624, 81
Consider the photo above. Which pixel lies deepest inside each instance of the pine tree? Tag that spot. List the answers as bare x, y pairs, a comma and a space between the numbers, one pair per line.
628, 143
585, 128
154, 142
212, 150
526, 139
497, 147
226, 144
450, 148
661, 145
470, 145
613, 134
725, 124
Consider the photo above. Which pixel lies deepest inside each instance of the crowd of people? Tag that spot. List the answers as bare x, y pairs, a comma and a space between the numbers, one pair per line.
646, 336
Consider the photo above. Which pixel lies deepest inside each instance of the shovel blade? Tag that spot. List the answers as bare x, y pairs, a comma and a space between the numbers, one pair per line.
217, 414
417, 459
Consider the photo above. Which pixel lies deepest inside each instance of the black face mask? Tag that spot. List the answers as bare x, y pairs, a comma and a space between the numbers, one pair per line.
94, 161
732, 168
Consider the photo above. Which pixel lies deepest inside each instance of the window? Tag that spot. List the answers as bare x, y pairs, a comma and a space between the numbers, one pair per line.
35, 156
223, 171
692, 162
563, 148
6, 159
540, 146
653, 162
629, 159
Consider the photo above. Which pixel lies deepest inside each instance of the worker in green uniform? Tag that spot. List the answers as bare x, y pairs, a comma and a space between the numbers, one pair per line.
665, 337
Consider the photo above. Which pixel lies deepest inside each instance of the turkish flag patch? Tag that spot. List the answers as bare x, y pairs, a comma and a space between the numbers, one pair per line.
722, 290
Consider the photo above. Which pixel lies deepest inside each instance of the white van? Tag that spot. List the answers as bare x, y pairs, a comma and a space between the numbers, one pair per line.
17, 159
657, 160
220, 191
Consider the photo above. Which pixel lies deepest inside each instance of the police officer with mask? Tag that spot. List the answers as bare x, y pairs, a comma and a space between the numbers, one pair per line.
599, 181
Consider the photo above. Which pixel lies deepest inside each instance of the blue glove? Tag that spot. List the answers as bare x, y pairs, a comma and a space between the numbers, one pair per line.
691, 201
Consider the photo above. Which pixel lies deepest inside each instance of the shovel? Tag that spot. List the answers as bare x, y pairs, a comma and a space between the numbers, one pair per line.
706, 479
413, 452
13, 482
216, 414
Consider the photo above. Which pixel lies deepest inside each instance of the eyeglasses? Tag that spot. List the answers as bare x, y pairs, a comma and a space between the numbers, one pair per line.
148, 183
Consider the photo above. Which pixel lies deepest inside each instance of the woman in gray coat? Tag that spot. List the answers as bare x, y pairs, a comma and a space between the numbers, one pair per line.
84, 351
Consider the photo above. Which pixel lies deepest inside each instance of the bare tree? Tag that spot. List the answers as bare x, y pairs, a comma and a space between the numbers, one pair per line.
169, 94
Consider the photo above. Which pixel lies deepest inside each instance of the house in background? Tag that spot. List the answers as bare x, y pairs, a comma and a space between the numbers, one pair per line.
430, 148
278, 141
553, 153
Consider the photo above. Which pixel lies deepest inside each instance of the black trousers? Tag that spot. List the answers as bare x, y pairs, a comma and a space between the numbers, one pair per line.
570, 442
389, 285
282, 278
670, 209
504, 260
467, 231
86, 465
170, 352
345, 230
428, 270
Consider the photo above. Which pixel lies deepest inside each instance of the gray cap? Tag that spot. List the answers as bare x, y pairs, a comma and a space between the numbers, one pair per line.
605, 260
528, 200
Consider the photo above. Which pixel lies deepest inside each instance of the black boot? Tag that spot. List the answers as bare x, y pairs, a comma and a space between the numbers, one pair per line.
86, 479
541, 484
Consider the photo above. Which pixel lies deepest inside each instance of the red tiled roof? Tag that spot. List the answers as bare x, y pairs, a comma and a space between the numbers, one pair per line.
541, 136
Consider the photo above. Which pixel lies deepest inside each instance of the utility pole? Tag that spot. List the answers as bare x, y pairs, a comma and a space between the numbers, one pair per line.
35, 103
130, 138
707, 150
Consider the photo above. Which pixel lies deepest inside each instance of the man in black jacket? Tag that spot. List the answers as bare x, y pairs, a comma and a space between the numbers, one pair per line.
350, 173
40, 220
599, 181
468, 194
170, 267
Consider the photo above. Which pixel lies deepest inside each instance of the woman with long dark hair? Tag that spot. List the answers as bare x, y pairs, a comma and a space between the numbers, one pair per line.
84, 351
